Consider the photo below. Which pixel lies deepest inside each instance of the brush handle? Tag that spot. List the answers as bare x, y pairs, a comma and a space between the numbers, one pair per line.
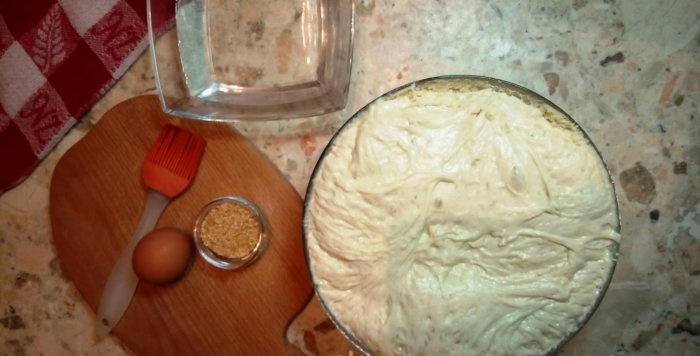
122, 281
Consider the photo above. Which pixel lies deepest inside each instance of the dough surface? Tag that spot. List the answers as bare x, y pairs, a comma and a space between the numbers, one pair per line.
448, 222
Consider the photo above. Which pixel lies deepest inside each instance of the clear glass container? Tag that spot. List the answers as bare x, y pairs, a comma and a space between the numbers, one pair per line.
218, 260
254, 60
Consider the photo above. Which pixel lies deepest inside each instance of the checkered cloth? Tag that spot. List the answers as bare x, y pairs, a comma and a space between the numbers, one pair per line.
57, 57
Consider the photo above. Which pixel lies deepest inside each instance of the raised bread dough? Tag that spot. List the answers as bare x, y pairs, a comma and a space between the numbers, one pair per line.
446, 222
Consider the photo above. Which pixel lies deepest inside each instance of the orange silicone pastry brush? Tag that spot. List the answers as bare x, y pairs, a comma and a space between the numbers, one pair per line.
170, 167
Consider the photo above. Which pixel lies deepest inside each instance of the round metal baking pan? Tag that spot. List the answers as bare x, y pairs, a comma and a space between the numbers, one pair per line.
459, 83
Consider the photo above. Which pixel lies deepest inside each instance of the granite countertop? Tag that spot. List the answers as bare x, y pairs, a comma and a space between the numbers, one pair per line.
628, 71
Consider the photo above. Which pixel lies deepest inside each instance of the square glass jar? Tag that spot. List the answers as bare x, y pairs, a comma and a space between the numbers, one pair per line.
251, 60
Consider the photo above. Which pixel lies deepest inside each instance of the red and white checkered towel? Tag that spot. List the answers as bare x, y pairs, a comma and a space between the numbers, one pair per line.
57, 57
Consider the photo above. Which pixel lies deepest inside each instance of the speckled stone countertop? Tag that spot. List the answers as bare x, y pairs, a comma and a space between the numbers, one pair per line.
628, 71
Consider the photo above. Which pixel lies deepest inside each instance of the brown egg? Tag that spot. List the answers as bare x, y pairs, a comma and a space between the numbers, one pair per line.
162, 255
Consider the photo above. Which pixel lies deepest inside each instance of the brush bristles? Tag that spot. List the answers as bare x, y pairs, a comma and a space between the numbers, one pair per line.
177, 150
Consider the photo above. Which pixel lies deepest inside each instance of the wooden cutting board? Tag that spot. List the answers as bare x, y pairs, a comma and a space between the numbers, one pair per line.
97, 197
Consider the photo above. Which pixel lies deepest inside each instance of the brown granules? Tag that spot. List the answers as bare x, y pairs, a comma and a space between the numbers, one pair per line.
230, 230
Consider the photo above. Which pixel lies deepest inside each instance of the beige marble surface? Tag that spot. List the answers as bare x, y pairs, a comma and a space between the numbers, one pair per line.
628, 71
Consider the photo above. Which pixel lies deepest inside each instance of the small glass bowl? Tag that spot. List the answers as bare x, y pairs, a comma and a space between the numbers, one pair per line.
254, 60
225, 262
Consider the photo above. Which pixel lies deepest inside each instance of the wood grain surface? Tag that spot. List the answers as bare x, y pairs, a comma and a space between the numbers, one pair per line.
97, 197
